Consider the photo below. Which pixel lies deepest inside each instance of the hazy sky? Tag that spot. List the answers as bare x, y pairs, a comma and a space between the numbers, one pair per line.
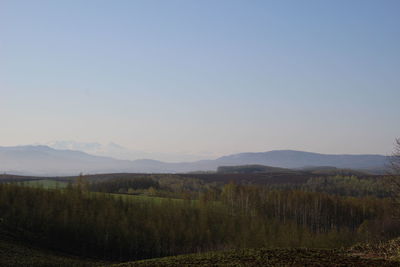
202, 77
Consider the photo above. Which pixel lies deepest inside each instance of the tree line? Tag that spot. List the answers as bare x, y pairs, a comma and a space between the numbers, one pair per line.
104, 226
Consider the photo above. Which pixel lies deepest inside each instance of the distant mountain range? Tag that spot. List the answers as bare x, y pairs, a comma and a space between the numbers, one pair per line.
43, 160
119, 152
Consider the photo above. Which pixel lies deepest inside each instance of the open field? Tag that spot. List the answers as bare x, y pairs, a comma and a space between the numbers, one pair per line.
155, 199
47, 184
55, 184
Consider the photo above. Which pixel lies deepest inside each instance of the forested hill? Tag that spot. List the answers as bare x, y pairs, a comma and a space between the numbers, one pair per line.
252, 169
308, 171
300, 159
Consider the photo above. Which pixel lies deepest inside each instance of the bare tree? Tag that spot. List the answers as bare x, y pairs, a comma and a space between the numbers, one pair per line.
395, 159
394, 176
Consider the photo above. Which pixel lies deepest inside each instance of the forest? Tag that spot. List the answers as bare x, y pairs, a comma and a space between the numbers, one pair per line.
133, 217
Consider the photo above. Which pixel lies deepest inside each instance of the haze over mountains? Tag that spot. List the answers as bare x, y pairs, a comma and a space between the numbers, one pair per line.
43, 160
119, 152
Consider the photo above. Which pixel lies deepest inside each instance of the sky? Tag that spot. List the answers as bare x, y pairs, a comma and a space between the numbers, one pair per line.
204, 78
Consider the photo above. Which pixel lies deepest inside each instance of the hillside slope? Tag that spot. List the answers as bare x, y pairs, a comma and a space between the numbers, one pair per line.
14, 254
266, 257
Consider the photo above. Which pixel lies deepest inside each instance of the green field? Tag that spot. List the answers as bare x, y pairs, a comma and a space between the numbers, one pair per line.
47, 184
141, 197
54, 184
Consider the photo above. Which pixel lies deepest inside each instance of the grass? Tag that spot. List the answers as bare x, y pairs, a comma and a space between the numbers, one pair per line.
46, 184
54, 184
146, 198
265, 257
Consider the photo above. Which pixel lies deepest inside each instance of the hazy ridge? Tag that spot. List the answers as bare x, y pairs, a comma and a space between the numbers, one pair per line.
43, 160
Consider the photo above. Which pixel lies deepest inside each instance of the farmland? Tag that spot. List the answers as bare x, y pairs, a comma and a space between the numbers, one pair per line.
15, 254
266, 257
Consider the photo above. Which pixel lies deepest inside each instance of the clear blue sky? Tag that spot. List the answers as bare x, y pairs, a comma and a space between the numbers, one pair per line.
202, 76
